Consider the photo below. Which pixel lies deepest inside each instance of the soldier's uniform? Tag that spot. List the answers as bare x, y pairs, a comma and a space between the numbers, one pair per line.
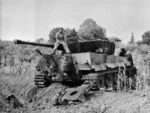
60, 40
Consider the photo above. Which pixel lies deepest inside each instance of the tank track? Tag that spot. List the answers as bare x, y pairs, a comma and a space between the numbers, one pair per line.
41, 80
99, 78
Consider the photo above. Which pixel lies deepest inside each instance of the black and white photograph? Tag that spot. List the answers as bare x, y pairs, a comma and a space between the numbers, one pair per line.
74, 56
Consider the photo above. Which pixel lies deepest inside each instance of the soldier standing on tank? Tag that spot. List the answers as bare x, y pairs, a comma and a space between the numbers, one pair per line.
61, 40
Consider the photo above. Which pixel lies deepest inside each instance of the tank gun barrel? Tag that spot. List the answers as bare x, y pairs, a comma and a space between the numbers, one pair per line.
87, 46
33, 43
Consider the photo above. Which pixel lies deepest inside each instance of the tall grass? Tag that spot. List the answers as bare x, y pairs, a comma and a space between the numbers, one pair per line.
141, 58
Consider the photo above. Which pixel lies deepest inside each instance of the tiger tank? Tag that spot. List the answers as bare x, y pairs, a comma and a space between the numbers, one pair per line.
91, 66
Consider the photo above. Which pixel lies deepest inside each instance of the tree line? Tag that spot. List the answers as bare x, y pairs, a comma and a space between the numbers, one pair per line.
88, 30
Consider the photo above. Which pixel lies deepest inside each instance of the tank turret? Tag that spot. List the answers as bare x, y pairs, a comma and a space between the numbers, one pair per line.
96, 46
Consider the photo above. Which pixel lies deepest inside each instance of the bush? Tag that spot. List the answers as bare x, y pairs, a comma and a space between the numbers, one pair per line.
131, 47
89, 30
146, 37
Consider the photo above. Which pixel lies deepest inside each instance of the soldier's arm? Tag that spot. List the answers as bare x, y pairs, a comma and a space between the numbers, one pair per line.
65, 37
57, 36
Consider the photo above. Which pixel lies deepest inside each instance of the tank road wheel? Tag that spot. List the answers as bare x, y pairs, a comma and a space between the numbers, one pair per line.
41, 80
100, 83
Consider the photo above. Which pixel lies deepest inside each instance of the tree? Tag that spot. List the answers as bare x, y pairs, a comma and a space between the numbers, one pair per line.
40, 40
71, 35
146, 37
1, 45
1, 49
52, 34
139, 42
89, 30
132, 41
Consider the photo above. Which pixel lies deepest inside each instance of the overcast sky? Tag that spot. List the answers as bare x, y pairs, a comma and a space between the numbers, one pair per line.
31, 19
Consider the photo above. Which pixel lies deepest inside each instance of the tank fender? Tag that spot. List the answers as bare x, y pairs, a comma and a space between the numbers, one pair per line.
84, 67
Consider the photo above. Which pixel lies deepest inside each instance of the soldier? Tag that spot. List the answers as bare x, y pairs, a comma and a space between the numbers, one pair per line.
61, 40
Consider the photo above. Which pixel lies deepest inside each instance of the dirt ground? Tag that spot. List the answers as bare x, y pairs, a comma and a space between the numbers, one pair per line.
37, 100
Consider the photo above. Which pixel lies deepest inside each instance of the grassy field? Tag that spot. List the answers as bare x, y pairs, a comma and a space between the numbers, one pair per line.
18, 80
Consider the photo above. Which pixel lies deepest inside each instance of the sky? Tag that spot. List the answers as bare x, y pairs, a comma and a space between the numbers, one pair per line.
32, 19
